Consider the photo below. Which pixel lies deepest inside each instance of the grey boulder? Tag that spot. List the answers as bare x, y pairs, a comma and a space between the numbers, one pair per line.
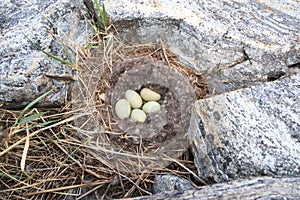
248, 132
25, 72
170, 182
234, 44
251, 189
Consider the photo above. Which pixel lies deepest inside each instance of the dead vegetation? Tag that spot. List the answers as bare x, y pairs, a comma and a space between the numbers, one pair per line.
59, 165
56, 156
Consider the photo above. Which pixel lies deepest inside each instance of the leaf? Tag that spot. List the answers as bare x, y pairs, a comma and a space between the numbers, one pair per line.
31, 118
99, 11
73, 152
90, 46
32, 104
104, 16
36, 125
48, 54
44, 123
66, 51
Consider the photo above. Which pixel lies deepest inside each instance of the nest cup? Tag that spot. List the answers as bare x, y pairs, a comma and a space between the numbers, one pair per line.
132, 146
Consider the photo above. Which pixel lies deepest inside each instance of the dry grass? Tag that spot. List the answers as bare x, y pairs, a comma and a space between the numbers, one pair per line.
62, 160
58, 166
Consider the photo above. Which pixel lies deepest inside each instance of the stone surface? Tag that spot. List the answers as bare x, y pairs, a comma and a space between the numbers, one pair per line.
26, 73
122, 109
134, 98
138, 115
169, 182
264, 188
151, 107
248, 132
234, 44
149, 95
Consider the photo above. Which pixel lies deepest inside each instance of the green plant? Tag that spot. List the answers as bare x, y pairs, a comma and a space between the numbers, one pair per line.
21, 120
69, 57
67, 62
26, 123
73, 152
101, 17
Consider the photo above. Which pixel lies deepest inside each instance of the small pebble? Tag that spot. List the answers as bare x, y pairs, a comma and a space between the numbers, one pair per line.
151, 107
138, 115
149, 95
134, 98
123, 109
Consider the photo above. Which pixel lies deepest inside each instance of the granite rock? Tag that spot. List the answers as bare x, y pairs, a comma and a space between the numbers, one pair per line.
26, 73
170, 182
248, 132
234, 44
250, 189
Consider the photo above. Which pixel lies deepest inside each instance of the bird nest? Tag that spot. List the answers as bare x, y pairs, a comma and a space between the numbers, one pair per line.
82, 149
133, 146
